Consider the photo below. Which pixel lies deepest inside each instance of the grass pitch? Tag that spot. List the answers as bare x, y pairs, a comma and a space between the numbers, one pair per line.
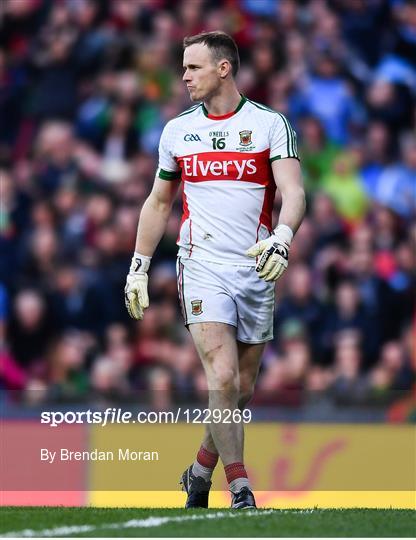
174, 522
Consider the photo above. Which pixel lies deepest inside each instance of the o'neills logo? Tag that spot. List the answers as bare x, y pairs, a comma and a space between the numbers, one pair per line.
192, 166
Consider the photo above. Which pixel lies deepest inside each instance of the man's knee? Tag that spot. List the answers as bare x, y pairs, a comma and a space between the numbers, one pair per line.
223, 380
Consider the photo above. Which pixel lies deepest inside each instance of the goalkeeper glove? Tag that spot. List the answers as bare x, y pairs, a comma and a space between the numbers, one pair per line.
135, 291
273, 253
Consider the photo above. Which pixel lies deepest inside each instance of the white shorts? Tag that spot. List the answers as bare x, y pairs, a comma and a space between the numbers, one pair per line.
212, 292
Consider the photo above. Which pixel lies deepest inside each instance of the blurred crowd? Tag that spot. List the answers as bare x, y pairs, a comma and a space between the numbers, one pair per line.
86, 87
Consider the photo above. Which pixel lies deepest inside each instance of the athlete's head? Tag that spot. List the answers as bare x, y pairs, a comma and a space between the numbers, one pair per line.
209, 59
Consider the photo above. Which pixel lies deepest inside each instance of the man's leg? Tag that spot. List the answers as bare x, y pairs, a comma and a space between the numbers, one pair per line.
217, 353
217, 348
249, 358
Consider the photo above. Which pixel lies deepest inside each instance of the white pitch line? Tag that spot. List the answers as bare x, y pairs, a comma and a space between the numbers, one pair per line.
152, 521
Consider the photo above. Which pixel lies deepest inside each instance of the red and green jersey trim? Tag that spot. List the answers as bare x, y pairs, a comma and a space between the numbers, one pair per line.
275, 158
291, 144
169, 175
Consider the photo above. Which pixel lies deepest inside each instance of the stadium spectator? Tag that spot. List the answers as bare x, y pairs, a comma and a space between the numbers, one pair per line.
283, 378
30, 332
376, 154
300, 303
348, 386
348, 314
68, 375
342, 184
328, 226
385, 103
318, 153
327, 96
376, 295
396, 186
76, 304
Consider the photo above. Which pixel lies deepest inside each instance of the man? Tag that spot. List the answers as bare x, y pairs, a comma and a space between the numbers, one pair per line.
230, 154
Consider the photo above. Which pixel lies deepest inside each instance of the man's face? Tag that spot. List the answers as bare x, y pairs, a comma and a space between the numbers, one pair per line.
201, 73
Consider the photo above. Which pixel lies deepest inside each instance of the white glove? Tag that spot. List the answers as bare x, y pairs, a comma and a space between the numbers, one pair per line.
273, 252
135, 291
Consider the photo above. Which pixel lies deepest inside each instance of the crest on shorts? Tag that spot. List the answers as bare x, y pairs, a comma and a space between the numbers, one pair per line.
245, 137
196, 307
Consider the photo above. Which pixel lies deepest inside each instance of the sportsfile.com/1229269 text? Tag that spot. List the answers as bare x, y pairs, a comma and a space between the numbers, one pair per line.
113, 415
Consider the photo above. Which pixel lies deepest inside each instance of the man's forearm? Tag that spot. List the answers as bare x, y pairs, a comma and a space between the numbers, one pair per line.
152, 225
293, 208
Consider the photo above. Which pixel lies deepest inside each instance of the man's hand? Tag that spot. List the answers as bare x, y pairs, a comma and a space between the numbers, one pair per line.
273, 253
135, 291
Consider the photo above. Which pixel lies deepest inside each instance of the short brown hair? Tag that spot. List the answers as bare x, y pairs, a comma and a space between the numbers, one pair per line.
220, 44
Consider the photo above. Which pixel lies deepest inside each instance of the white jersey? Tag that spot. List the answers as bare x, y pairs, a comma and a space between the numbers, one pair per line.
224, 163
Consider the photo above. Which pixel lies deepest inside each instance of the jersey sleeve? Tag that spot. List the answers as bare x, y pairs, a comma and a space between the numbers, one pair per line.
168, 168
282, 139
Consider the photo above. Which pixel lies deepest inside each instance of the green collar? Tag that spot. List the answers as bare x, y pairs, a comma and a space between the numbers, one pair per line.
224, 116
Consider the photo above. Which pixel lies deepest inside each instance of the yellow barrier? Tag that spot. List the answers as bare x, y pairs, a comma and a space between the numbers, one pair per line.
290, 465
265, 499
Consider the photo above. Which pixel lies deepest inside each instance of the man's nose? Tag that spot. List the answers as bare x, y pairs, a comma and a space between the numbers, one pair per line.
186, 76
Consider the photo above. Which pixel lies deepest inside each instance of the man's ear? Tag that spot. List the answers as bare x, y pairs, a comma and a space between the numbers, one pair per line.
224, 68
